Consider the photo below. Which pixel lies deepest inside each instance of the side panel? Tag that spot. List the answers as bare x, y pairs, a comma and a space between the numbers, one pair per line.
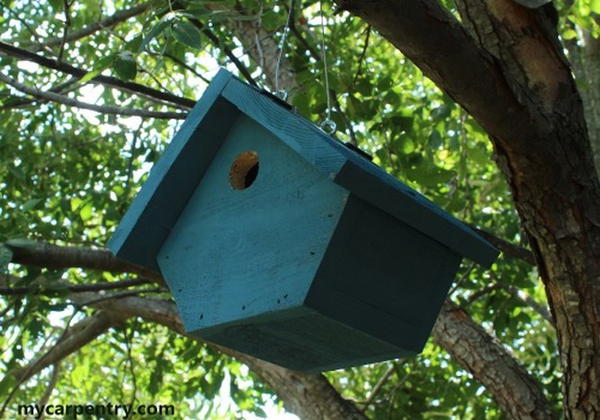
399, 275
235, 254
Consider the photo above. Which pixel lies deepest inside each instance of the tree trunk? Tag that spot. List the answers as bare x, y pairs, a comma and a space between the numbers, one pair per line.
512, 77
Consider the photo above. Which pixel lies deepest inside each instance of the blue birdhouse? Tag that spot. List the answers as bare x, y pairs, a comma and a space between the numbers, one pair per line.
281, 242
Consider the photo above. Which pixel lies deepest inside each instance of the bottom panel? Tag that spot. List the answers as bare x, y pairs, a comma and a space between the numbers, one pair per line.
302, 339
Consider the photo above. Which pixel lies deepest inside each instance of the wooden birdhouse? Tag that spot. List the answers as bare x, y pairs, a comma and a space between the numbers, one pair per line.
279, 241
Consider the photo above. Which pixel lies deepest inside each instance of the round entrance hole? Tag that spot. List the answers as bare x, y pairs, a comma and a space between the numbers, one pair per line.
244, 170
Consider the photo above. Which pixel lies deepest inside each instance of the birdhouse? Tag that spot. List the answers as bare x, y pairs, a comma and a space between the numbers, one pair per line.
281, 242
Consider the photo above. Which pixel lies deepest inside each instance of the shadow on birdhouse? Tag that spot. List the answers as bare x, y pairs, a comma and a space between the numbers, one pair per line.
278, 241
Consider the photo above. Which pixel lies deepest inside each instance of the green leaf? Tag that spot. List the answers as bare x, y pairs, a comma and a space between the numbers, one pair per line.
30, 205
570, 33
17, 173
57, 5
435, 139
5, 256
134, 44
270, 20
21, 243
441, 112
86, 212
154, 32
125, 66
7, 384
595, 6
99, 67
187, 34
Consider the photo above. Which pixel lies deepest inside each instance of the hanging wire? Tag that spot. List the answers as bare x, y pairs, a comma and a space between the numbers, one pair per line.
282, 93
328, 125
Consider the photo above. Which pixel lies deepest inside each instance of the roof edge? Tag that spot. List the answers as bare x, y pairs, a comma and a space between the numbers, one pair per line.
417, 211
133, 229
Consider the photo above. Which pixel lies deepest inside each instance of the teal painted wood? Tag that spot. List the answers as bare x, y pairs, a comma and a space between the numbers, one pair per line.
155, 209
303, 137
234, 254
304, 340
387, 273
324, 262
145, 225
358, 175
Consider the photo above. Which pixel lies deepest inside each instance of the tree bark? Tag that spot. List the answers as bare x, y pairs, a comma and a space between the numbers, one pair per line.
513, 388
513, 78
55, 257
586, 66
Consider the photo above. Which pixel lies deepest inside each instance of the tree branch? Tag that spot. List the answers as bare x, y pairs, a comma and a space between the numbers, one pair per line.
442, 48
58, 257
530, 302
78, 336
65, 100
506, 247
219, 44
513, 388
50, 388
11, 291
112, 20
104, 80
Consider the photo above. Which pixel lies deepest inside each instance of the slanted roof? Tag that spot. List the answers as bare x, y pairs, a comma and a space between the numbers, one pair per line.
175, 176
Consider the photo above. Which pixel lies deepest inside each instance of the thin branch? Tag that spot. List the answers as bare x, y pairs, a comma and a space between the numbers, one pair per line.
25, 24
66, 7
313, 52
69, 85
506, 247
362, 56
104, 80
71, 340
134, 150
50, 388
347, 122
65, 100
112, 20
379, 385
182, 64
116, 296
73, 288
530, 302
482, 292
131, 366
221, 45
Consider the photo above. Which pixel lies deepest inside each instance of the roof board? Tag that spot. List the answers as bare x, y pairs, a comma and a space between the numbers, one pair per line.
163, 197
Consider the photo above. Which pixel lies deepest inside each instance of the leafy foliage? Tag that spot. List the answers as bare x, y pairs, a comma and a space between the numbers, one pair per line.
67, 177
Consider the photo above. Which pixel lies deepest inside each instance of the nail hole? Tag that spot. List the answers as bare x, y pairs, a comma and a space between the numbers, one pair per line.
201, 316
244, 170
285, 296
312, 253
243, 307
